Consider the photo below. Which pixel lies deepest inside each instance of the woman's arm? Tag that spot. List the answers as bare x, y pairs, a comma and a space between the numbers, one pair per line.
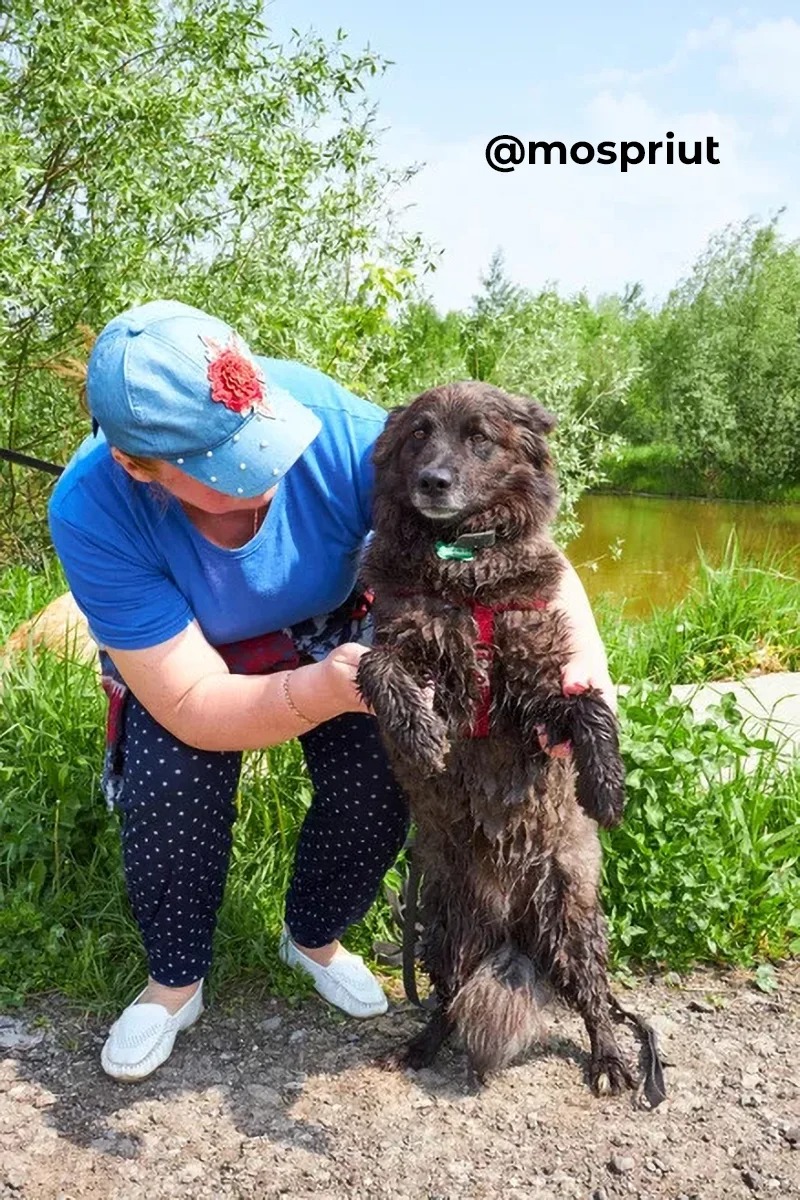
588, 665
186, 686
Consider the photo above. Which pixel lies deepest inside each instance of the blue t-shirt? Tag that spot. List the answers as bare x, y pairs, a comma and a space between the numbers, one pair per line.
141, 572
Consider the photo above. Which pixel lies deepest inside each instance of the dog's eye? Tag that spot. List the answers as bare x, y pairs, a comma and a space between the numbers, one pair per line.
478, 439
420, 434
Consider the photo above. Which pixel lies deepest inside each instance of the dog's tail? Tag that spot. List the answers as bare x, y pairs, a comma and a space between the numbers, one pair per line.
497, 1012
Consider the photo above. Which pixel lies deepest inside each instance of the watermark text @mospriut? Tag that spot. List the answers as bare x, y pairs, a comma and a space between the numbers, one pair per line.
506, 152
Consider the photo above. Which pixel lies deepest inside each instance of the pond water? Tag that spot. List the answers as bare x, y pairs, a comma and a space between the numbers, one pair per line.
659, 539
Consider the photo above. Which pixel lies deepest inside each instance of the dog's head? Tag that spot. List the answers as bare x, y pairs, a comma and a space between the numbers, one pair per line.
466, 454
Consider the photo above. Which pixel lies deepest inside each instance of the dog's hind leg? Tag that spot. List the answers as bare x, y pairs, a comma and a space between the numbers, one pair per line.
572, 947
422, 1049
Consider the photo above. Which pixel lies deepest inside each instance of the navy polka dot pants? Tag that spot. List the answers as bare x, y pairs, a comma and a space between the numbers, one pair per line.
178, 810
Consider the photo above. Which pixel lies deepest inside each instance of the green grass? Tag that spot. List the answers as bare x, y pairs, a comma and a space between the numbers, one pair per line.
704, 868
64, 918
24, 591
739, 618
660, 470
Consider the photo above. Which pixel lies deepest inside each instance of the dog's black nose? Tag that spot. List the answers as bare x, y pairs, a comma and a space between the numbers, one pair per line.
435, 480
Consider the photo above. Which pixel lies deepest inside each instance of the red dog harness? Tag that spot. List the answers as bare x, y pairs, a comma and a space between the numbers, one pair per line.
484, 615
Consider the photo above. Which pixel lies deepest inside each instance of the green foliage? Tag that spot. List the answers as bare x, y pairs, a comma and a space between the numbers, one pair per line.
558, 352
65, 923
703, 868
705, 864
24, 592
723, 364
660, 469
765, 978
657, 468
173, 149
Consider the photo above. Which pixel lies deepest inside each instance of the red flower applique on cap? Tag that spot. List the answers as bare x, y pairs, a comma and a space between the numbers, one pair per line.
235, 380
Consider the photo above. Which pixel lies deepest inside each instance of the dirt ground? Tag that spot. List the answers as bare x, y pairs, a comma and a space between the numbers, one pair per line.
267, 1099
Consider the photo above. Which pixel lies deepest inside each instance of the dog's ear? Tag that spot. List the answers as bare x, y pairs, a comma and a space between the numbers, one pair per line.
534, 423
385, 441
535, 418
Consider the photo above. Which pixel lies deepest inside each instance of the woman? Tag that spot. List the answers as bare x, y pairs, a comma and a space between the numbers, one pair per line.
224, 498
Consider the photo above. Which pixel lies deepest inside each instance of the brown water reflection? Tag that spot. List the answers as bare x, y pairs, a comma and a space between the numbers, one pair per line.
660, 539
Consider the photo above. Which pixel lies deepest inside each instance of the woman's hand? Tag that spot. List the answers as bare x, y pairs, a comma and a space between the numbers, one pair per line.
339, 673
586, 670
583, 671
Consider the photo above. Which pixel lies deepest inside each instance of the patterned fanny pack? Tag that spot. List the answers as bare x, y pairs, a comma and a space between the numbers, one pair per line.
309, 641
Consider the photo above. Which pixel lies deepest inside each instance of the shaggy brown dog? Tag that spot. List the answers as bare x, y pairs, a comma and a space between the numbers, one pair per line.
507, 836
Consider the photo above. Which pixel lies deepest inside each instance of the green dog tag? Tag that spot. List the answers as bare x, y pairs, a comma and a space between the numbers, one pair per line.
445, 550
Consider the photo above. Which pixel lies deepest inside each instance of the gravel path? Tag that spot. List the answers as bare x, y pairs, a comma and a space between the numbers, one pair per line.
266, 1099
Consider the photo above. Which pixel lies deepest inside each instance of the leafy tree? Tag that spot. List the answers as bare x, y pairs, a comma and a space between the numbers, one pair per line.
567, 355
723, 365
489, 326
158, 148
425, 351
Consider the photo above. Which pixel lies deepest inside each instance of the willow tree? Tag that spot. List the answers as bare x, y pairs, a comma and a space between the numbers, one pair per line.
175, 149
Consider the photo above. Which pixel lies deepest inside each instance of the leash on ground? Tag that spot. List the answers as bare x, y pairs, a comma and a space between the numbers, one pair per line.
652, 1087
404, 909
25, 460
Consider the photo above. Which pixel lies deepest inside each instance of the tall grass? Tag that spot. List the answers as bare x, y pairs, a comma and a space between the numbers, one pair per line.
24, 591
705, 866
739, 618
65, 923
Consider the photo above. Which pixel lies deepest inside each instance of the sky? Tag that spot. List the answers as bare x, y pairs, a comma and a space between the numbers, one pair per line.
464, 72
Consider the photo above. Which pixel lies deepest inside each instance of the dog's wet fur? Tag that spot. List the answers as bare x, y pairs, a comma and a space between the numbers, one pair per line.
506, 835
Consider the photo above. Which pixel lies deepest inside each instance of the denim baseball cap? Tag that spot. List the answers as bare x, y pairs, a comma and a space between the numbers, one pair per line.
168, 381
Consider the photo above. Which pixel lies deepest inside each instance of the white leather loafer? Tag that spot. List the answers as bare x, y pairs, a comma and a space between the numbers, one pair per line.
345, 982
141, 1039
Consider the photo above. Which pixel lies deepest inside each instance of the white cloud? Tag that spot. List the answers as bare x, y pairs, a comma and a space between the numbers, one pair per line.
716, 34
765, 61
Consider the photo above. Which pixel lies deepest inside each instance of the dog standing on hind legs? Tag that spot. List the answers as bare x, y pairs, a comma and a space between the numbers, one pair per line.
464, 672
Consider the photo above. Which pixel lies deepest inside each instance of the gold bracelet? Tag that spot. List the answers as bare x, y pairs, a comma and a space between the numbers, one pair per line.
290, 702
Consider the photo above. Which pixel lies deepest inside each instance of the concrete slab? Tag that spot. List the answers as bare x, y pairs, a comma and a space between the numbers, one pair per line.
771, 704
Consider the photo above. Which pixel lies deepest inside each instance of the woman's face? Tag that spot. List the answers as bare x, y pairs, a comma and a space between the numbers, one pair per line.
191, 491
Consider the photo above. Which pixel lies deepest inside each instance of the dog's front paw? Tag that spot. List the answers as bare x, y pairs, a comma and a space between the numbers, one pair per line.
600, 784
602, 795
423, 742
404, 711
